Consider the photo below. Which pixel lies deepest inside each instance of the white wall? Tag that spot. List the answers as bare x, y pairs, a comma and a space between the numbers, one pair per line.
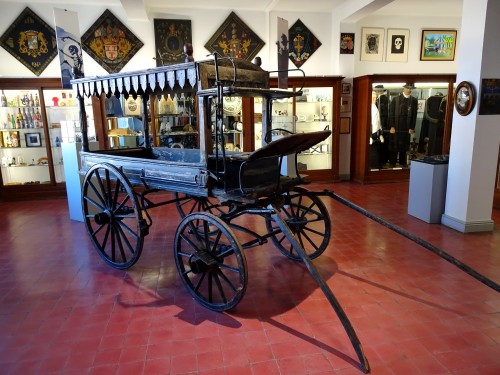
205, 23
413, 66
325, 61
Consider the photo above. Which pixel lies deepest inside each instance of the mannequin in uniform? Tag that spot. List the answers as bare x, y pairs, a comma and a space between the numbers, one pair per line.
402, 121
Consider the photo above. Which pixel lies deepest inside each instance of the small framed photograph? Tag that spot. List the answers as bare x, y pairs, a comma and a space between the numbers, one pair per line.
345, 125
345, 104
397, 45
372, 44
346, 89
438, 45
33, 139
10, 139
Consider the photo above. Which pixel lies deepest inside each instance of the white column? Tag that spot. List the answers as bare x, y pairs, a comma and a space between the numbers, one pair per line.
474, 138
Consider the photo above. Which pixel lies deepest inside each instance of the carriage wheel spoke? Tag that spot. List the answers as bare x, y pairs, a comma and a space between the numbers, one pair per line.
210, 261
112, 215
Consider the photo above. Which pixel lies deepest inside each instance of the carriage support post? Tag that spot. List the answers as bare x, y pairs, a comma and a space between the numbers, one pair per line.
83, 123
147, 141
365, 366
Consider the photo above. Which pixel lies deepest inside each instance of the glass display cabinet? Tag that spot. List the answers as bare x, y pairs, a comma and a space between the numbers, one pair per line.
175, 121
399, 118
318, 108
31, 112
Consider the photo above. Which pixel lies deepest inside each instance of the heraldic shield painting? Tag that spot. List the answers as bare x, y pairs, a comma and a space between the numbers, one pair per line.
31, 41
303, 43
170, 37
235, 39
110, 43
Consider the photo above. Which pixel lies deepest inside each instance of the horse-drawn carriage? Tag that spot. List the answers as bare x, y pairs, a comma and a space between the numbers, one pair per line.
211, 185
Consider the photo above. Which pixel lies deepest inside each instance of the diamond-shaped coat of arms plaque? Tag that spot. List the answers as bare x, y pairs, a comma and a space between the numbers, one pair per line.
31, 41
110, 42
235, 39
303, 43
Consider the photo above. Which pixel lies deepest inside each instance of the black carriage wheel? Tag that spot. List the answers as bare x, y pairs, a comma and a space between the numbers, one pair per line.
113, 216
210, 261
308, 219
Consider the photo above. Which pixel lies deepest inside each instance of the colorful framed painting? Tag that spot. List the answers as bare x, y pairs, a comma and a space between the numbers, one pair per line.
303, 43
11, 139
109, 42
31, 41
347, 43
438, 45
397, 45
372, 44
170, 37
235, 39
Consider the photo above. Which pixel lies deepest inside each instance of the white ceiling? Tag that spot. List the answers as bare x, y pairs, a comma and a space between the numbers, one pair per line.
419, 8
433, 8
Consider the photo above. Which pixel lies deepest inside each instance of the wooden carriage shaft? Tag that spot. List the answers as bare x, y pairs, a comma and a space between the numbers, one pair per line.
353, 337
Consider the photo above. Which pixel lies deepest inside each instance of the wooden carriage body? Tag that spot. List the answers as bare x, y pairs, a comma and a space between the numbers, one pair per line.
205, 170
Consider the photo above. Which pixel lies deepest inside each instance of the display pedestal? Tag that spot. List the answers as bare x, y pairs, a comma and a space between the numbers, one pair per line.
427, 194
71, 158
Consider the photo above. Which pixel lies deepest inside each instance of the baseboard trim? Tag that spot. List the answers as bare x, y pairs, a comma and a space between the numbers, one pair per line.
467, 227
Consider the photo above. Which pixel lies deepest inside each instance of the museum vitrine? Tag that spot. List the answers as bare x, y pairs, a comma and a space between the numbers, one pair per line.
398, 118
31, 113
171, 118
318, 108
175, 124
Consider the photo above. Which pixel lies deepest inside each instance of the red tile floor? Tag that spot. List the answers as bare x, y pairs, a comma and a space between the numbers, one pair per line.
63, 311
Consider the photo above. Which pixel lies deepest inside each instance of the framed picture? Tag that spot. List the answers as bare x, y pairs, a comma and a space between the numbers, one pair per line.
10, 139
31, 41
345, 104
345, 125
110, 43
235, 39
346, 89
489, 103
33, 139
170, 37
397, 45
438, 45
346, 43
372, 44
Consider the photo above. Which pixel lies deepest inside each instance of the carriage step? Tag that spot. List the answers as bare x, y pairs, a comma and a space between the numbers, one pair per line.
206, 258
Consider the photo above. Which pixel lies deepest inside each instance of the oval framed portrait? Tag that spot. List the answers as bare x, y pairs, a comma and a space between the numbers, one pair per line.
464, 98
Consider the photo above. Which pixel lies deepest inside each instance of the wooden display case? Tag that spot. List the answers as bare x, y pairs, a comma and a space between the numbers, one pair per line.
318, 108
30, 125
426, 85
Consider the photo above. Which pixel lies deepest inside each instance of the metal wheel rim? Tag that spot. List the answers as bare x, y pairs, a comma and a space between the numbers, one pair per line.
112, 216
210, 261
309, 221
